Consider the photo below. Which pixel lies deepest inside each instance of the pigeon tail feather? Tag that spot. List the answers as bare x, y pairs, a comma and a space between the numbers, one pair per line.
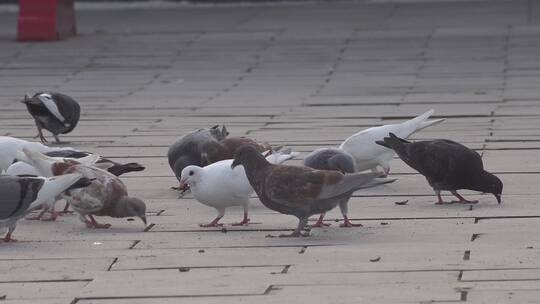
54, 186
349, 183
420, 122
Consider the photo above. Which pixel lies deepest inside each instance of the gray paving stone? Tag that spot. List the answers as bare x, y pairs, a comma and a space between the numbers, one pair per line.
305, 75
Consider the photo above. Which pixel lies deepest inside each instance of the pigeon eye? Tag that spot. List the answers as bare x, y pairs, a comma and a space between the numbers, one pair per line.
191, 173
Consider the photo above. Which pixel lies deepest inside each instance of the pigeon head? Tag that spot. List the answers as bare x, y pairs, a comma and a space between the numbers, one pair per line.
131, 206
342, 163
218, 133
27, 98
248, 156
190, 176
210, 152
492, 184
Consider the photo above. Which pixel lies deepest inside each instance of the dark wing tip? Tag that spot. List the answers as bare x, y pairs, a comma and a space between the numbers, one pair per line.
382, 143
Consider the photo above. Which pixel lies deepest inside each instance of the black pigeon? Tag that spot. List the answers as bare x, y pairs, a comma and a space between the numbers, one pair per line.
447, 165
299, 191
333, 159
186, 150
113, 167
55, 112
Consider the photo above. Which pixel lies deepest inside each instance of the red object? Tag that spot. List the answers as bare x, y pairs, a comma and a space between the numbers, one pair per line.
46, 20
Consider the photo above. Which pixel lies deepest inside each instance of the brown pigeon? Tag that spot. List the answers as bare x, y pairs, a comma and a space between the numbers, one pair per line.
299, 191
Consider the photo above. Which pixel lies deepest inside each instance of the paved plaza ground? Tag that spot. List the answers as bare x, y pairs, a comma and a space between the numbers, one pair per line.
303, 75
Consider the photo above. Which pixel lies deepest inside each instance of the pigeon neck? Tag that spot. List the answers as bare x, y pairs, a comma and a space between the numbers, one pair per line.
255, 168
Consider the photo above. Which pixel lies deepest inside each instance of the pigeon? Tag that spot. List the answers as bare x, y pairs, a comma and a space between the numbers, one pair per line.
367, 155
214, 151
447, 165
52, 111
299, 191
333, 159
105, 196
11, 145
219, 186
22, 194
187, 150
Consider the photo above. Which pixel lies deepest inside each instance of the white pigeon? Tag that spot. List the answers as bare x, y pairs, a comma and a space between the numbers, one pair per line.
219, 186
368, 155
10, 145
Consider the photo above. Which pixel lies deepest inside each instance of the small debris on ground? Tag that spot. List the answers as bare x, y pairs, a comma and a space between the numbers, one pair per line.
384, 223
201, 250
402, 202
375, 259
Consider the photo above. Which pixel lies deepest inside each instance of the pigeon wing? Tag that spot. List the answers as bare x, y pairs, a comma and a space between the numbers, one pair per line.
51, 106
296, 186
347, 183
17, 195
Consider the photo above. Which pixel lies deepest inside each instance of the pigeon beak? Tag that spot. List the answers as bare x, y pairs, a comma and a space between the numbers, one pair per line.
235, 163
498, 197
143, 218
27, 98
183, 185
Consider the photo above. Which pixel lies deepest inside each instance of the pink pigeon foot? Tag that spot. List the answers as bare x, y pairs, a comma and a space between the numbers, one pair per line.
348, 224
320, 223
244, 222
8, 238
213, 223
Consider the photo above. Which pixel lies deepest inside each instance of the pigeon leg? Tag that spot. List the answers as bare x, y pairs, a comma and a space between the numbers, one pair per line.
386, 169
8, 237
58, 141
462, 200
214, 223
40, 133
96, 225
298, 231
440, 201
37, 217
344, 207
53, 217
244, 221
347, 223
320, 223
65, 211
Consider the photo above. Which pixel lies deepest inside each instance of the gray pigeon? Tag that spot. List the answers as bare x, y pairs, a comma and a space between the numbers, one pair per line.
333, 159
447, 165
22, 194
55, 112
187, 149
299, 191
